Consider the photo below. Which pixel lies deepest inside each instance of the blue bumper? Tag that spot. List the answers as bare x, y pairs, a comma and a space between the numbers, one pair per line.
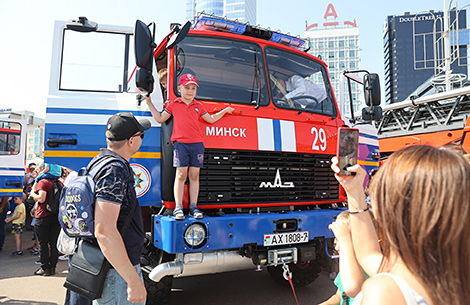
232, 231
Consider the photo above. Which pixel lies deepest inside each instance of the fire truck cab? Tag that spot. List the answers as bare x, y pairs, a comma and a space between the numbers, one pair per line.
266, 188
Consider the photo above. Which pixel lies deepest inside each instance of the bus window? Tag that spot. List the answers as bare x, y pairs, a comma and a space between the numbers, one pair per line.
226, 70
10, 134
298, 82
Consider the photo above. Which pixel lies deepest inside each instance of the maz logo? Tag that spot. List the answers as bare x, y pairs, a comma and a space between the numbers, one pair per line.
277, 183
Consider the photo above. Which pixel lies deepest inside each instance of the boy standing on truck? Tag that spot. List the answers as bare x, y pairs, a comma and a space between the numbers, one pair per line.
187, 139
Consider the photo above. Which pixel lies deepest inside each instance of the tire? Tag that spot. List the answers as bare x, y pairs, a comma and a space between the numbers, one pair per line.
158, 293
302, 273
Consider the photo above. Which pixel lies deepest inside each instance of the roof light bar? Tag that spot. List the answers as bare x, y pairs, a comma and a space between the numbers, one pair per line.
214, 23
287, 40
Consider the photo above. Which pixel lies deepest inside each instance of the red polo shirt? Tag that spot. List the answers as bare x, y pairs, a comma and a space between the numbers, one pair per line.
186, 126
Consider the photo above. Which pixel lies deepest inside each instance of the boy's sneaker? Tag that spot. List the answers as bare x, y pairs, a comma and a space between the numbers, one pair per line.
16, 253
178, 213
194, 212
35, 252
38, 262
64, 257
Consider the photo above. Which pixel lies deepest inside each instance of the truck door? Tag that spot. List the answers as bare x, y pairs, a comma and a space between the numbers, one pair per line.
91, 80
12, 156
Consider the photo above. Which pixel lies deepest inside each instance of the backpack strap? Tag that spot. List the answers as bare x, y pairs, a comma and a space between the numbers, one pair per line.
93, 170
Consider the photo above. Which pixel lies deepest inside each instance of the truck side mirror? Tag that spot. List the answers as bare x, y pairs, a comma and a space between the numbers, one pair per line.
143, 45
372, 113
371, 89
144, 80
179, 35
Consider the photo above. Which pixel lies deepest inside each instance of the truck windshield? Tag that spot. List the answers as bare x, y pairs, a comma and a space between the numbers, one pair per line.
226, 70
298, 82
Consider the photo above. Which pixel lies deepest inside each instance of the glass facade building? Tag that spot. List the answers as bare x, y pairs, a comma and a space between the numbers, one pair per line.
413, 54
243, 10
339, 49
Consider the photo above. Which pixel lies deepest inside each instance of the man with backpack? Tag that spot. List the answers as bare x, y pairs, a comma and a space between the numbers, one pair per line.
115, 200
47, 225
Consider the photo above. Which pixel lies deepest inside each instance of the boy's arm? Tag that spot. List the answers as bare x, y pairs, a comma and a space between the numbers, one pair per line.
217, 116
14, 217
159, 117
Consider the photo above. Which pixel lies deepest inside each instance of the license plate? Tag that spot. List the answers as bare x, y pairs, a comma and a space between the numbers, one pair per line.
285, 238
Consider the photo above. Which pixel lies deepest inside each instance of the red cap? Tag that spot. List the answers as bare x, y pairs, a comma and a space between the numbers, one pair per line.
187, 79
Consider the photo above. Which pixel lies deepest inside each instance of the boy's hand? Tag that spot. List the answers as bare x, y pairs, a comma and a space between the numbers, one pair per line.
7, 220
147, 99
229, 110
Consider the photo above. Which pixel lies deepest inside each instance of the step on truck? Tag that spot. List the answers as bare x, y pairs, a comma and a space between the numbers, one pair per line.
266, 189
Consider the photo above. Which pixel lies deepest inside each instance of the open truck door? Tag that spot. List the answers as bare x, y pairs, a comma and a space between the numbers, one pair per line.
92, 78
12, 156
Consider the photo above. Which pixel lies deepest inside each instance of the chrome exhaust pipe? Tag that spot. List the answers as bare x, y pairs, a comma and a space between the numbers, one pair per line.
166, 269
200, 263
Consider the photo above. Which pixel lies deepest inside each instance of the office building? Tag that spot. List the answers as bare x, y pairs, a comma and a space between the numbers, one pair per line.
337, 44
413, 54
243, 10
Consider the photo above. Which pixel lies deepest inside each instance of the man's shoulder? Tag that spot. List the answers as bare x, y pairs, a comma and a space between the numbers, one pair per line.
44, 183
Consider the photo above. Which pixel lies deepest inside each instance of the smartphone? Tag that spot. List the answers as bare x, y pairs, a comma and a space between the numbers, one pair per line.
348, 139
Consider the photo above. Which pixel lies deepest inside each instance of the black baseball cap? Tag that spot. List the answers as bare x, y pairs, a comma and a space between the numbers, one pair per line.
124, 125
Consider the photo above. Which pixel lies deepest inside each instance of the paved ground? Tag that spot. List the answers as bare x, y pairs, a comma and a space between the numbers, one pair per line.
18, 285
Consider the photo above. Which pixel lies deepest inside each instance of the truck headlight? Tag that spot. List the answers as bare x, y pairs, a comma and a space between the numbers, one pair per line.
195, 235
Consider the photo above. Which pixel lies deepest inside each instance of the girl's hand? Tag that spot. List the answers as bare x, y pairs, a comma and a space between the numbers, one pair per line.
349, 183
340, 228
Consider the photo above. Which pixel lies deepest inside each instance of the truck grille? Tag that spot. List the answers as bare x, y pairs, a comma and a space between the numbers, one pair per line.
246, 177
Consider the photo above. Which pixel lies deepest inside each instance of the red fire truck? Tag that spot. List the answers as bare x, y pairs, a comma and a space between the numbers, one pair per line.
266, 188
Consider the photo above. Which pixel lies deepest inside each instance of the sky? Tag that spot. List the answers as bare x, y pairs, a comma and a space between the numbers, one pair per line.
27, 30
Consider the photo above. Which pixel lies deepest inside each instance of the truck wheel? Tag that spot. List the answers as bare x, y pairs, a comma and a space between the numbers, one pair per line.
158, 293
302, 273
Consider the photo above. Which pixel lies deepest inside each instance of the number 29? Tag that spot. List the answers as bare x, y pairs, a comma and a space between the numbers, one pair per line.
319, 139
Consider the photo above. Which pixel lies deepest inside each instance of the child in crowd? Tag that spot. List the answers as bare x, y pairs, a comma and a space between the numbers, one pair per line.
351, 276
18, 223
187, 139
48, 171
163, 79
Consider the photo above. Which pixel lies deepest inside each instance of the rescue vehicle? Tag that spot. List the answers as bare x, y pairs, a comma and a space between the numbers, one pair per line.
266, 189
12, 156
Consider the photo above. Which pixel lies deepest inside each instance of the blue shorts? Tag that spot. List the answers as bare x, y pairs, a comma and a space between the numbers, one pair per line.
188, 154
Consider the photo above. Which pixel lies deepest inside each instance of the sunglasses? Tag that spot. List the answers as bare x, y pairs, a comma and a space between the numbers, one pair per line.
141, 135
